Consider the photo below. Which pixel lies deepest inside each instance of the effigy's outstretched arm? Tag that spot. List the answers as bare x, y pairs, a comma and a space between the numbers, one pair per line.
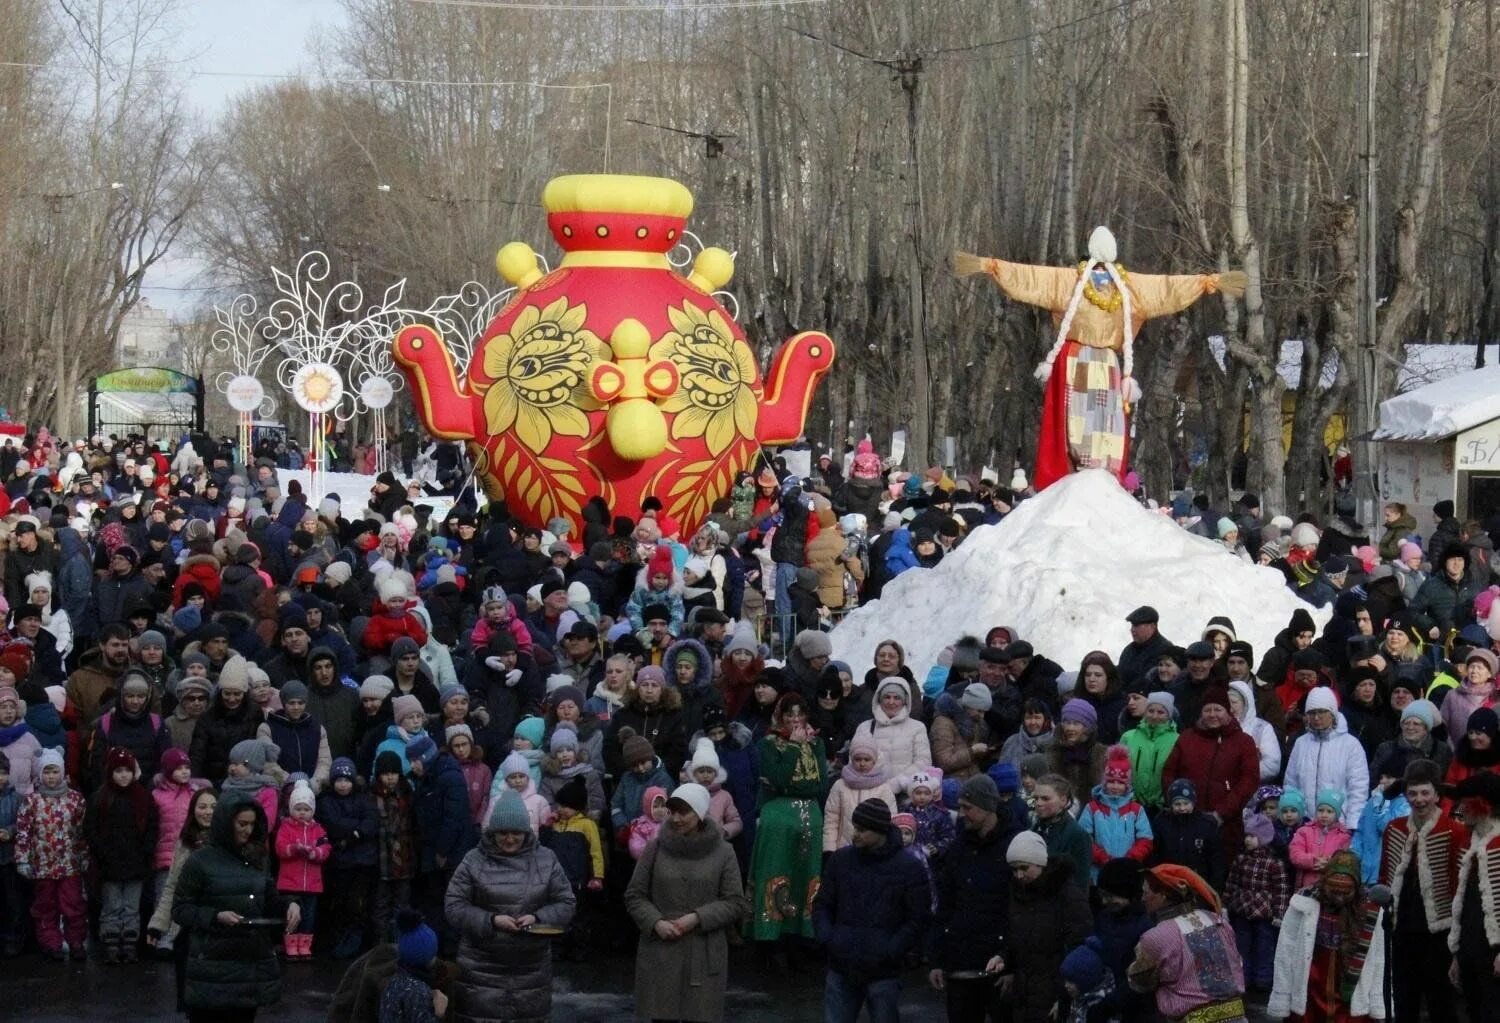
1164, 294
1050, 287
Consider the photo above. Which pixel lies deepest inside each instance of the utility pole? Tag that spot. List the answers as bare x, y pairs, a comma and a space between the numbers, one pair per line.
1366, 377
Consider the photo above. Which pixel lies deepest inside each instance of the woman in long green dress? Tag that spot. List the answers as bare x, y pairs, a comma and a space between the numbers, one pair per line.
787, 861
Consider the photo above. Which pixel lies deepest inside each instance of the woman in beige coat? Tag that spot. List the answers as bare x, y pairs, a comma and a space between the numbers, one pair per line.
685, 896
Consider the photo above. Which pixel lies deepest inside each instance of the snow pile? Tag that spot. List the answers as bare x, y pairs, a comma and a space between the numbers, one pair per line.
1064, 569
353, 488
1442, 409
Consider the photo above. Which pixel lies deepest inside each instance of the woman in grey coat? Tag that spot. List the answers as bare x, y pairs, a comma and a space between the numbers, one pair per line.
501, 890
685, 896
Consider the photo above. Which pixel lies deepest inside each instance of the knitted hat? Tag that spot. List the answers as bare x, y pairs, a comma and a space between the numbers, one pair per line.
1027, 849
704, 755
904, 822
401, 706
979, 791
1322, 698
508, 813
872, 815
153, 639
118, 757
515, 763
635, 748
1259, 827
187, 619
927, 778
696, 798
1331, 798
387, 762
1216, 695
404, 646
1485, 721
574, 794
254, 754
449, 691
563, 737
811, 643
1182, 789
660, 563
50, 756
343, 767
977, 696
651, 673
172, 759
1080, 711
1165, 699
338, 573
531, 728
1122, 877
1308, 660
302, 795
378, 687
656, 612
135, 682
293, 690
566, 694
1005, 776
1082, 967
421, 749
416, 943
1423, 710
1117, 764
453, 731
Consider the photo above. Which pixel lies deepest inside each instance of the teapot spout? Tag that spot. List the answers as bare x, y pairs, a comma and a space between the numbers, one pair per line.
790, 382
445, 408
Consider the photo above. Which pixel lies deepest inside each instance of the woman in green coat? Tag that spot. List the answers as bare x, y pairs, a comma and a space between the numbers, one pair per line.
787, 861
224, 894
1150, 743
685, 896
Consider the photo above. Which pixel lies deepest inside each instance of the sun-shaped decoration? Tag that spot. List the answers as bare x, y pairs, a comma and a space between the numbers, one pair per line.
317, 387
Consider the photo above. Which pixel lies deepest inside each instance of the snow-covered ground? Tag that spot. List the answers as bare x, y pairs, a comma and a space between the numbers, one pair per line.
1064, 569
353, 488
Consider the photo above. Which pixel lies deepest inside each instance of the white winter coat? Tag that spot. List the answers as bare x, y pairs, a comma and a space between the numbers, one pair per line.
1259, 729
902, 742
1294, 953
1333, 761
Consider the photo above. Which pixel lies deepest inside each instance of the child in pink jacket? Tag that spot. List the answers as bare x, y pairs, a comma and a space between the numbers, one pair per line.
172, 789
644, 828
302, 846
1320, 838
500, 616
706, 770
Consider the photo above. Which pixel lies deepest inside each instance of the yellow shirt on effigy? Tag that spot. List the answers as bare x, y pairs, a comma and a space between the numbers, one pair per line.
1051, 287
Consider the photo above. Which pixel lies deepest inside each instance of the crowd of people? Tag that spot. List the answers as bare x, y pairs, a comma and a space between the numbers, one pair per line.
240, 729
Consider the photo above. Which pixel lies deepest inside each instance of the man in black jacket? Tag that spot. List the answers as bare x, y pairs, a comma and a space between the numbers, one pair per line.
1145, 648
871, 910
973, 911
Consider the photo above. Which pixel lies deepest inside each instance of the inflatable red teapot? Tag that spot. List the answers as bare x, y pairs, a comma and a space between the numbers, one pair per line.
613, 375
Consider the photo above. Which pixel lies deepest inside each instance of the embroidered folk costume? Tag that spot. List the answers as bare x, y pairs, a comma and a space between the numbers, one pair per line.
1419, 862
1189, 959
1330, 958
1098, 309
1474, 938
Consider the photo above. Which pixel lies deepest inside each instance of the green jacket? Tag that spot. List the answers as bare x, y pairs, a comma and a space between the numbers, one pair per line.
1149, 746
229, 967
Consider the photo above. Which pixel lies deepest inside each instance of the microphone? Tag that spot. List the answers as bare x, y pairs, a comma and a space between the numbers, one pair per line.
1380, 894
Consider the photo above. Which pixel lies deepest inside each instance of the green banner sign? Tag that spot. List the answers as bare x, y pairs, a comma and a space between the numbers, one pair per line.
146, 380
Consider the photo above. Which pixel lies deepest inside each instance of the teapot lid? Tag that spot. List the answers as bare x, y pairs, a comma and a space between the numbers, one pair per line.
616, 219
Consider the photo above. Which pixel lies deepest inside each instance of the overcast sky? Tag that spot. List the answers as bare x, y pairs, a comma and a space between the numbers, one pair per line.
252, 37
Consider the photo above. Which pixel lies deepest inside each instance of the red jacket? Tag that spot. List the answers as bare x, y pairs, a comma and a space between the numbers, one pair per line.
1224, 767
385, 628
1438, 850
301, 868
